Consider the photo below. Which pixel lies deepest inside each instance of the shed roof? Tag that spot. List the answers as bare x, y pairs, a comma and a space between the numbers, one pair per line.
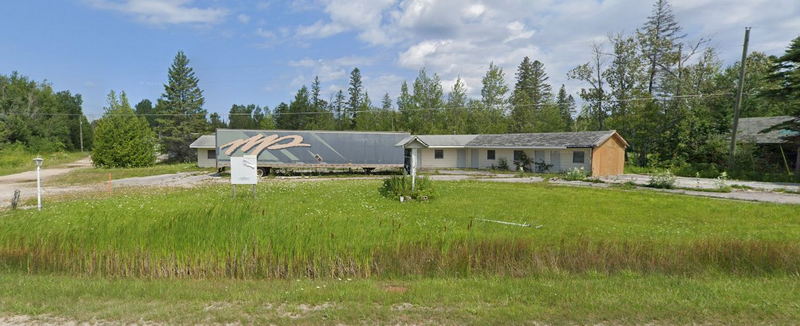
750, 130
527, 140
205, 141
544, 140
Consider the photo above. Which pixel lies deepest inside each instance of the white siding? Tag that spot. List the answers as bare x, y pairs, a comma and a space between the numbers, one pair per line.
202, 159
450, 159
427, 160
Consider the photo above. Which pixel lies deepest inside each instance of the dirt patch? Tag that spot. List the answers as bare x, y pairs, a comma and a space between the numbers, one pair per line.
395, 289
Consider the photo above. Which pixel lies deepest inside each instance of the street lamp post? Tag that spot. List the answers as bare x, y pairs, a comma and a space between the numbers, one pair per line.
38, 162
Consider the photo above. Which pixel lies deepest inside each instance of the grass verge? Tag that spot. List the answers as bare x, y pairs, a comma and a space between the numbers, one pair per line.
553, 299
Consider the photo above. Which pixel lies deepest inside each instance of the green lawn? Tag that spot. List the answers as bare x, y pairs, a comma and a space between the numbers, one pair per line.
95, 175
344, 228
15, 161
553, 299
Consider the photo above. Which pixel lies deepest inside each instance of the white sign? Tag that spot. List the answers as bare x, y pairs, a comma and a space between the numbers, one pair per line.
243, 170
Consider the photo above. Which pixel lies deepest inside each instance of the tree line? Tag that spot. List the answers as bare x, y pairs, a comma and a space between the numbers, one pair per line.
670, 97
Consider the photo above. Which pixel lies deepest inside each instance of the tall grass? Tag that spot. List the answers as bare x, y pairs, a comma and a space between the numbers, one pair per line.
15, 159
345, 228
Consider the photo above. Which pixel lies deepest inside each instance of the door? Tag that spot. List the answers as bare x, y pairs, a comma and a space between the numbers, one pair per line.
538, 157
475, 158
555, 160
462, 158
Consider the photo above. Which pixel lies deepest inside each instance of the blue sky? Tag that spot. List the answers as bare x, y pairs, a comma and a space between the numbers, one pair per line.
261, 52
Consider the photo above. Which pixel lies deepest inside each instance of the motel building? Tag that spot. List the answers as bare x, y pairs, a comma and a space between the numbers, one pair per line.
601, 153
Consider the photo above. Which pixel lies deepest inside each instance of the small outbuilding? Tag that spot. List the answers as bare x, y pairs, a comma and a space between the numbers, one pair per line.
600, 152
206, 146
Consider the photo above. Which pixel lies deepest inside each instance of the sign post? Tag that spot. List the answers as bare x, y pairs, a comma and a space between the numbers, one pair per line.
244, 171
38, 161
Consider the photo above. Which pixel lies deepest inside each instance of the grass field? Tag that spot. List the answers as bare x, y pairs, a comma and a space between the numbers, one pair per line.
16, 160
95, 175
625, 298
345, 229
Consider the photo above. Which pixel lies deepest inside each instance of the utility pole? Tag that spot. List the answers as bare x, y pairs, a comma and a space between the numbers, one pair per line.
738, 104
80, 129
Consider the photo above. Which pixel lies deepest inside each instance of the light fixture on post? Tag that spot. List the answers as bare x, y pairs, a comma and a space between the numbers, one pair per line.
38, 162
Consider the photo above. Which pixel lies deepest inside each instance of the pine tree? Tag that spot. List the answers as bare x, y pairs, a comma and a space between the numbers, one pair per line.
531, 93
566, 108
145, 108
338, 108
658, 38
405, 104
355, 91
182, 101
122, 139
216, 121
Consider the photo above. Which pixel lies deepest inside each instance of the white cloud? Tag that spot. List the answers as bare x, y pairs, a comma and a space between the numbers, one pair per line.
460, 37
328, 70
244, 19
159, 12
346, 15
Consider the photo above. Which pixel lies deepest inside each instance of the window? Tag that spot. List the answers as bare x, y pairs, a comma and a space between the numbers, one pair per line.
577, 157
518, 155
490, 154
212, 154
438, 154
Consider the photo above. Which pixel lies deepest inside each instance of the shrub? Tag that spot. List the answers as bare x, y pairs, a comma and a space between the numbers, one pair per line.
575, 174
524, 163
121, 139
397, 186
502, 164
542, 167
663, 179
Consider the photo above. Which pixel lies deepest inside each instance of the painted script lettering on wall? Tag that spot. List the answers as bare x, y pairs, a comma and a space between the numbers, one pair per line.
258, 143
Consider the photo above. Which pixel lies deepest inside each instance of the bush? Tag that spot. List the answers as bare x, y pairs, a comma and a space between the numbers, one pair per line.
575, 174
397, 186
665, 180
121, 139
502, 164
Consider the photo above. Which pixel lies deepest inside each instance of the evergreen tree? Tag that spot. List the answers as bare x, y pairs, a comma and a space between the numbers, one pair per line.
216, 122
145, 109
339, 106
182, 101
531, 94
658, 38
405, 105
785, 73
122, 139
566, 108
355, 91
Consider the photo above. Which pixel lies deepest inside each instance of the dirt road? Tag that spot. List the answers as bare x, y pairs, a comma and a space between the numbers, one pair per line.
25, 182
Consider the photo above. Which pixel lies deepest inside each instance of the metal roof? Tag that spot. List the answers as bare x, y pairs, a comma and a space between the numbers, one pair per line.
750, 130
205, 141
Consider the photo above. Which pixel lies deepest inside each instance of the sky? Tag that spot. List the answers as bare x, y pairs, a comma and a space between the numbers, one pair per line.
261, 52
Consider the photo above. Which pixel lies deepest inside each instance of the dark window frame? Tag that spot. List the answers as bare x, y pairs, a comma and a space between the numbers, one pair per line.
575, 157
211, 154
518, 155
490, 154
438, 154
